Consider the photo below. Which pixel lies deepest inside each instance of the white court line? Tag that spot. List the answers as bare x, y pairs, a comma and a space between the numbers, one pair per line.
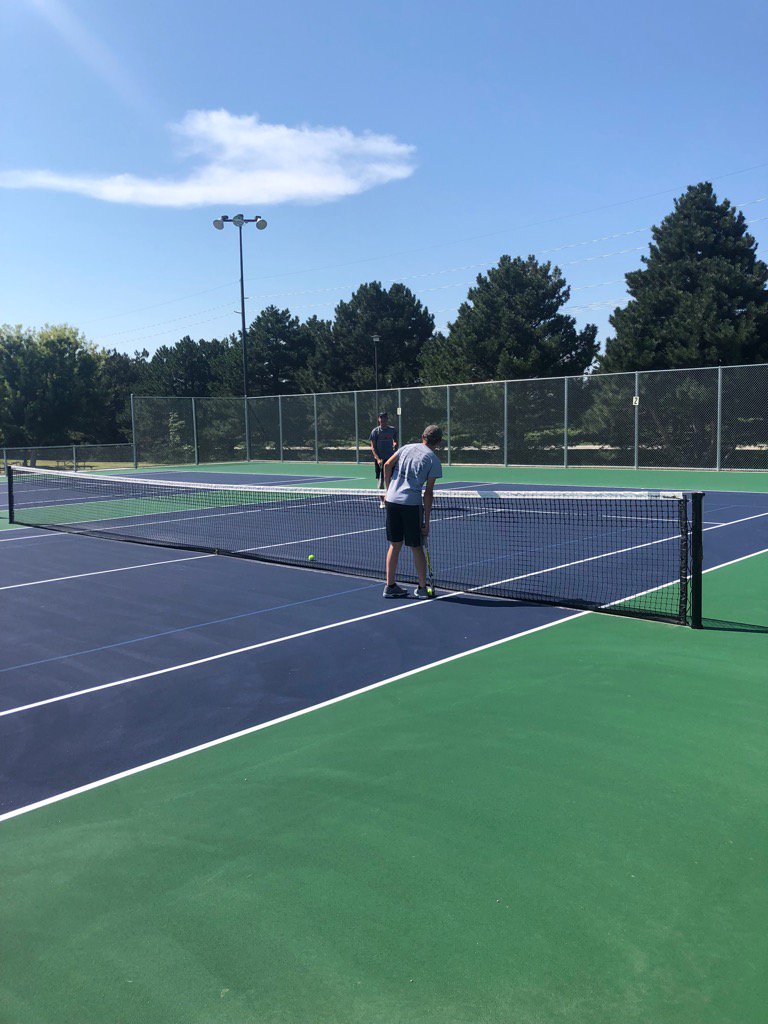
31, 534
104, 572
344, 622
169, 758
277, 721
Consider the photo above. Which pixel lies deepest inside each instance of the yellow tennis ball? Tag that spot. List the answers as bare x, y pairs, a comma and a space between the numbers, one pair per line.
311, 558
430, 592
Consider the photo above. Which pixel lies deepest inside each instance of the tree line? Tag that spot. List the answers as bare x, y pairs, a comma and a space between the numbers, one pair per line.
699, 299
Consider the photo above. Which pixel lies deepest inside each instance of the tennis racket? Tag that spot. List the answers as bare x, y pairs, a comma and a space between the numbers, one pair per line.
430, 576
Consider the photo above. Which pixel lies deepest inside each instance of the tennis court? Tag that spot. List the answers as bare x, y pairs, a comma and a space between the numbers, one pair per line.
239, 790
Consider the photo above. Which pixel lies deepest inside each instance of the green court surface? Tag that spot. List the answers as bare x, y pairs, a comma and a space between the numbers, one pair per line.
568, 827
651, 479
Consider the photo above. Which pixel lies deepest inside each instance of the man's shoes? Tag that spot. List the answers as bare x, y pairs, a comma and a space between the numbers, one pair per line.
421, 593
395, 591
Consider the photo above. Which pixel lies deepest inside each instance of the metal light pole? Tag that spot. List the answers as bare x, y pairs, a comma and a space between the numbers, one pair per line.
375, 339
238, 220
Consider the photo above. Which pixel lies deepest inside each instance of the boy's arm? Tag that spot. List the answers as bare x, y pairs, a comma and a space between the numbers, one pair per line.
428, 495
389, 466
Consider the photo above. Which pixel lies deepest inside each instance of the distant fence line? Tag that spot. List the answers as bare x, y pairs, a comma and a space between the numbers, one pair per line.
70, 456
709, 418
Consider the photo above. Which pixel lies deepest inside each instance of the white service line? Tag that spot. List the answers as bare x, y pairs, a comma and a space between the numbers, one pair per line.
277, 721
98, 783
104, 572
31, 534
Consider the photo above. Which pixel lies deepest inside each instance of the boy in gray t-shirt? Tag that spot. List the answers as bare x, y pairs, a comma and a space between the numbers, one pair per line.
411, 469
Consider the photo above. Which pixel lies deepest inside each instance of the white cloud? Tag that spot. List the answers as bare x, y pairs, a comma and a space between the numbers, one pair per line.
245, 161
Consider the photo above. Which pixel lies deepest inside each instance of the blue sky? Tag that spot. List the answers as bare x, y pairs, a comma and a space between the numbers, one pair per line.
390, 141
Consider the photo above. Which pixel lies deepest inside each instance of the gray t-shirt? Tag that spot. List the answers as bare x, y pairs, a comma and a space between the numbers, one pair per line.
416, 463
384, 441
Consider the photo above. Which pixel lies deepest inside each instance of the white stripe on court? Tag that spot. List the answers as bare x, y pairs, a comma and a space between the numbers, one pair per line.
98, 783
346, 622
276, 721
304, 711
104, 572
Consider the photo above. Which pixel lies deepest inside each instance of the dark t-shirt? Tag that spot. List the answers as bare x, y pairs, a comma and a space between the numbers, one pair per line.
384, 441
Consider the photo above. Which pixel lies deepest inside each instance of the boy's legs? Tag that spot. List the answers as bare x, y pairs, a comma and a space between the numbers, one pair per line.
393, 557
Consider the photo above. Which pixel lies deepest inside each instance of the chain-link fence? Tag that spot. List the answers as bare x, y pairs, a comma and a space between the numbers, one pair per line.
711, 418
82, 457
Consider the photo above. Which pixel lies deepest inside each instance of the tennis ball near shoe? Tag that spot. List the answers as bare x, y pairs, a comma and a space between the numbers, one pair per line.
311, 558
430, 592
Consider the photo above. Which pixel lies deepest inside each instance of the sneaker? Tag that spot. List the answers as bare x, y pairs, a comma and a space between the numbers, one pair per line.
421, 593
394, 591
382, 505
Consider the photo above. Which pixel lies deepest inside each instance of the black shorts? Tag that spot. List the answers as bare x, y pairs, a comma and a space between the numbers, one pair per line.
404, 524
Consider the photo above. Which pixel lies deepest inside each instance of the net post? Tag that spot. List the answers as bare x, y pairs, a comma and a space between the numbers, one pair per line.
448, 422
565, 423
133, 436
280, 424
317, 450
718, 465
247, 431
74, 458
697, 556
194, 431
506, 422
9, 471
637, 420
357, 433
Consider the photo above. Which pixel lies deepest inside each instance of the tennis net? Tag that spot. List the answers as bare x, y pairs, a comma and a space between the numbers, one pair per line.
628, 552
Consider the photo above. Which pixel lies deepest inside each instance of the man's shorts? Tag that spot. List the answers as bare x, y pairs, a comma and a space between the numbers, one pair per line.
404, 524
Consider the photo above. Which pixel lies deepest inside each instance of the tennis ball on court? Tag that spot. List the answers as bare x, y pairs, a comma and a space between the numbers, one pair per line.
311, 558
430, 592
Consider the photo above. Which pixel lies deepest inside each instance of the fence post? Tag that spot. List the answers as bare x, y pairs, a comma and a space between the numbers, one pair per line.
74, 458
317, 453
5, 460
565, 423
133, 436
280, 423
448, 421
718, 465
247, 431
357, 433
399, 416
194, 431
506, 422
636, 404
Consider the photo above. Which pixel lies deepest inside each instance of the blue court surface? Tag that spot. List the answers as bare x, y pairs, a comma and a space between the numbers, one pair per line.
117, 655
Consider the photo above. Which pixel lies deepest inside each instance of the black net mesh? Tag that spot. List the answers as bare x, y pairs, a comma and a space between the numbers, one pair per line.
336, 436
221, 429
477, 423
535, 421
264, 427
623, 551
421, 407
677, 419
164, 431
744, 432
298, 428
601, 420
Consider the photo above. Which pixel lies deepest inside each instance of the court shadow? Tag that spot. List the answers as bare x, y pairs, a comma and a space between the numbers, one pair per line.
725, 625
485, 602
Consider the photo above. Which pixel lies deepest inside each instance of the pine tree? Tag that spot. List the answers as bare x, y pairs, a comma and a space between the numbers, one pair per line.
512, 326
701, 299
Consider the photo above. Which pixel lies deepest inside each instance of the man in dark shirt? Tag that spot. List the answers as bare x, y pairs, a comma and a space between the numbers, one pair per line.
383, 445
